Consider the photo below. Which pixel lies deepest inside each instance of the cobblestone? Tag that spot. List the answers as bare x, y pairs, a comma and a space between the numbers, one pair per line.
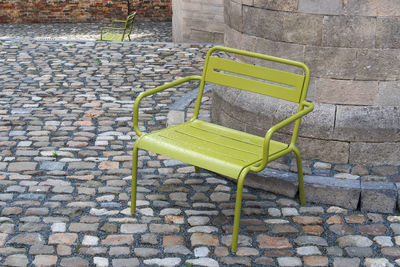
65, 159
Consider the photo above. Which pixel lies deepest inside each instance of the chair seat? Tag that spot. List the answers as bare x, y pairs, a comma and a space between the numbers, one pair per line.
209, 146
111, 37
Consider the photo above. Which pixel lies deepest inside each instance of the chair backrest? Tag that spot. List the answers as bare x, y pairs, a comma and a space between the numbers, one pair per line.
129, 22
255, 78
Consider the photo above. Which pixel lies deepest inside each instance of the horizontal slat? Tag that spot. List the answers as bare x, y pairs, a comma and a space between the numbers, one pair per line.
239, 135
275, 83
234, 134
197, 156
209, 146
221, 140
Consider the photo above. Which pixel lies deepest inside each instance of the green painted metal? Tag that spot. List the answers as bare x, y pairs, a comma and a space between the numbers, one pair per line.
118, 33
220, 149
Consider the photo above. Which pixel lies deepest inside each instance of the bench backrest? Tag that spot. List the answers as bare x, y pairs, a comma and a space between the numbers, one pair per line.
255, 78
129, 22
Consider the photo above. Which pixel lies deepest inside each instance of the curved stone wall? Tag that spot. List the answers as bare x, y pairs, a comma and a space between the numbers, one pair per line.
199, 21
353, 50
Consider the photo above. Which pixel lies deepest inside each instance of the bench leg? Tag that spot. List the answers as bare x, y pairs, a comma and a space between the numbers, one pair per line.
302, 194
238, 207
134, 178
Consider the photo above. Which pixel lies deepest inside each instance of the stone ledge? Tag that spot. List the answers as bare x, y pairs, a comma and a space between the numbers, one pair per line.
177, 111
351, 194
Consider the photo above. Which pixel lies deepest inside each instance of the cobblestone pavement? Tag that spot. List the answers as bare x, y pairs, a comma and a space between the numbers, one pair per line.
142, 31
65, 161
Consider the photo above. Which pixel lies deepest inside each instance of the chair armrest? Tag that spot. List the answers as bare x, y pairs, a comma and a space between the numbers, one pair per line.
298, 115
152, 92
280, 125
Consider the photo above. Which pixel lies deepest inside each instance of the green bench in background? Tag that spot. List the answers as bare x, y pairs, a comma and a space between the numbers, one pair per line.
114, 33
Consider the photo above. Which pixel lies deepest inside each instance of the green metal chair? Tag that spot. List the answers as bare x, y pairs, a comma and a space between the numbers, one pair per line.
118, 33
220, 149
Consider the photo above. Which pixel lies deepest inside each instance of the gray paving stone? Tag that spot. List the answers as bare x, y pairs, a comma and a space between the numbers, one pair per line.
354, 241
29, 238
163, 262
19, 260
74, 261
21, 166
178, 249
310, 240
351, 262
51, 166
359, 252
146, 252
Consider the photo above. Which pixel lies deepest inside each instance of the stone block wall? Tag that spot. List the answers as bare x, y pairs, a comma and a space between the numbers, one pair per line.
198, 21
54, 11
159, 10
353, 50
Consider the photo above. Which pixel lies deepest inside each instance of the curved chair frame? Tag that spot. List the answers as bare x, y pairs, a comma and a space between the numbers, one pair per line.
220, 149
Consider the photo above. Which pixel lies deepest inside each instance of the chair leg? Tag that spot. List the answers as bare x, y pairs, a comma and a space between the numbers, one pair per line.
302, 194
134, 178
238, 207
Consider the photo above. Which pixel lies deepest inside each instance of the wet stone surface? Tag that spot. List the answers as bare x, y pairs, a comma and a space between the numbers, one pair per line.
65, 160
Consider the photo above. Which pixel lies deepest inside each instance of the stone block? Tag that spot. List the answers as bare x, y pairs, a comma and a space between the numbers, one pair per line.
235, 16
331, 191
372, 8
389, 93
387, 32
332, 7
368, 124
377, 64
331, 62
356, 92
311, 90
349, 31
282, 5
230, 37
201, 36
378, 197
275, 181
22, 166
221, 117
175, 117
317, 124
324, 150
302, 28
375, 153
280, 49
198, 21
269, 24
51, 165
248, 42
250, 19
